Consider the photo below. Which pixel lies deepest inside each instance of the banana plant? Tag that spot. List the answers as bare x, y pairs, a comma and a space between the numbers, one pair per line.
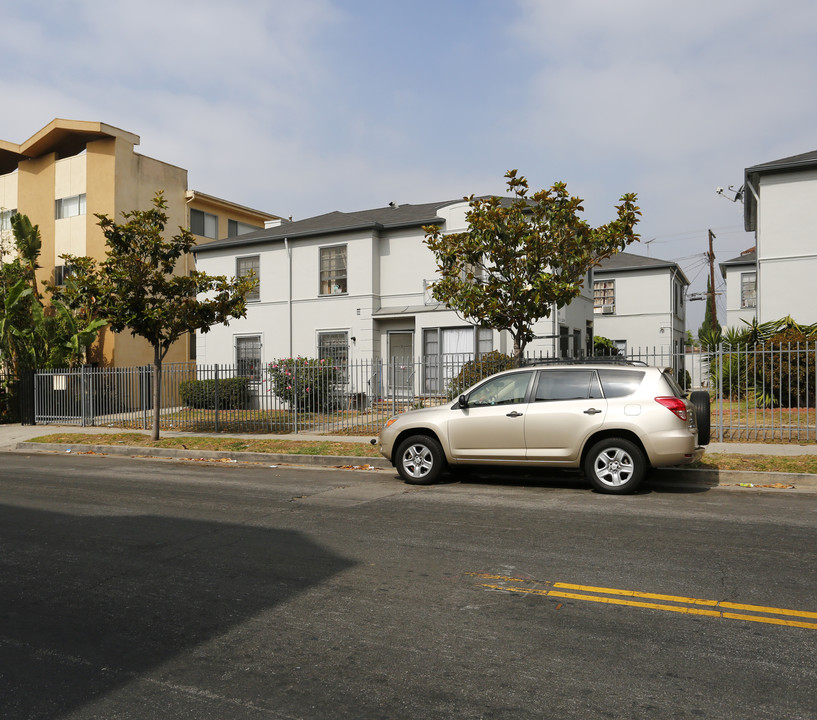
76, 338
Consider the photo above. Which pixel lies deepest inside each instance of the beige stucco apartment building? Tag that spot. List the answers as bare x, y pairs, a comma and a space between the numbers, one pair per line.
69, 171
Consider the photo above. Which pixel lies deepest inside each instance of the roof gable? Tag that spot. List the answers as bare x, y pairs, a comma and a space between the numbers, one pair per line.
751, 175
376, 219
625, 261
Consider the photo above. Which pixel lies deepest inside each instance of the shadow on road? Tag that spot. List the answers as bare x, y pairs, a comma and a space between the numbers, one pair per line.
92, 602
558, 479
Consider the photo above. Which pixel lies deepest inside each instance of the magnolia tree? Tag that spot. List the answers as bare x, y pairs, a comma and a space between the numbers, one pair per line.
522, 256
135, 288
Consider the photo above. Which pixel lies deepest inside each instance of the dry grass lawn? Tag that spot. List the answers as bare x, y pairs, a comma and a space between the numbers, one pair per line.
717, 461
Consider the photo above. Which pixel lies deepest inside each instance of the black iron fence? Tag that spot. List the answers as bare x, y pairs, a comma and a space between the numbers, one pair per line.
758, 394
17, 397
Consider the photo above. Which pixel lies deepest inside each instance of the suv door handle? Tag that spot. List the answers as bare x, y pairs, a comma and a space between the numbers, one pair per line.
514, 414
592, 411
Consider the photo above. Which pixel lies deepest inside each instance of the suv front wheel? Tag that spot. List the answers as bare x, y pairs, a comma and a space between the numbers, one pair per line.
419, 460
615, 465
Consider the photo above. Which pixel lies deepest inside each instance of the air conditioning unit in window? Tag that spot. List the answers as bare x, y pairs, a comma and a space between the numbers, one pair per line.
608, 309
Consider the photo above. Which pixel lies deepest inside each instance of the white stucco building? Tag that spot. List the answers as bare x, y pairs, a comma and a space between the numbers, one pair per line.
740, 274
780, 207
639, 304
356, 285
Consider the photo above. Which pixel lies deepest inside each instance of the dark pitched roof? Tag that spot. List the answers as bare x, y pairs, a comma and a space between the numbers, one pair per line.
803, 161
631, 261
747, 257
795, 161
336, 222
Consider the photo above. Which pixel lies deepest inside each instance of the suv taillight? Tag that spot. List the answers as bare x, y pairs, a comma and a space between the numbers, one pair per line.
674, 405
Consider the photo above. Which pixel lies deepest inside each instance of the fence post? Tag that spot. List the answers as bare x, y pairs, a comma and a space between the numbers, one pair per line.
295, 394
215, 396
82, 409
390, 385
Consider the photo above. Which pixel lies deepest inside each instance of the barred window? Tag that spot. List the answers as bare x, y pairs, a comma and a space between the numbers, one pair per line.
248, 356
334, 346
748, 290
604, 296
333, 270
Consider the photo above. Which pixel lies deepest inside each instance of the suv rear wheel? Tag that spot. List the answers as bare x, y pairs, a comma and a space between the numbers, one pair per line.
419, 460
615, 465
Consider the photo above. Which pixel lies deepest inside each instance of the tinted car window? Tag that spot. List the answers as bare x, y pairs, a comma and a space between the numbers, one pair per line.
618, 383
502, 390
567, 385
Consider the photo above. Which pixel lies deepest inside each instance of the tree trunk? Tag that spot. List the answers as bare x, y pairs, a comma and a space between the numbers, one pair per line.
157, 390
518, 352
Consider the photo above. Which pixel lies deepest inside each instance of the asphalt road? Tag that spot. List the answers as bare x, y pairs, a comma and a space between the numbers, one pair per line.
162, 589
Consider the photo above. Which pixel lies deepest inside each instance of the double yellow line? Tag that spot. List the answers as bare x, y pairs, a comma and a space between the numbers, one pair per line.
686, 605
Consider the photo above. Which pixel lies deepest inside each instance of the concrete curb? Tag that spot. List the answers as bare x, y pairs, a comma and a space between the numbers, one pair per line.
662, 476
174, 453
714, 478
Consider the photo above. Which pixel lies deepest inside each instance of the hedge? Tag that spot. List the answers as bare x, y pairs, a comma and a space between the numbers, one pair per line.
233, 393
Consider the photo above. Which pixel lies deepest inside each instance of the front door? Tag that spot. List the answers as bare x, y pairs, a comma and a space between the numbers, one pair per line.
401, 363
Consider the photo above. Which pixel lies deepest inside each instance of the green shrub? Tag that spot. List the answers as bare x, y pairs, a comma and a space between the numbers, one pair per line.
475, 370
233, 393
786, 364
307, 384
603, 346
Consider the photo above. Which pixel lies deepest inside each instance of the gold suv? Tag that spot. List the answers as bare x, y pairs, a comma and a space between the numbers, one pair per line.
615, 421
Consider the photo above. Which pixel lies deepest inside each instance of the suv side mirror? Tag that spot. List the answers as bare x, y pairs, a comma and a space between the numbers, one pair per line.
462, 402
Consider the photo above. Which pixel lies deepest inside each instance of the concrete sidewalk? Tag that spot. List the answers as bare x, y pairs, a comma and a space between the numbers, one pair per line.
10, 435
16, 437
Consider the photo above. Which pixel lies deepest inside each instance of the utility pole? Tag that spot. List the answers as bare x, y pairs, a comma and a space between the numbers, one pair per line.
713, 308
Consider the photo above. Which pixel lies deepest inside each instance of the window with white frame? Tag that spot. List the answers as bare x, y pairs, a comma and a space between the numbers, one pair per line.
748, 290
446, 350
248, 356
333, 270
203, 224
250, 265
604, 296
69, 206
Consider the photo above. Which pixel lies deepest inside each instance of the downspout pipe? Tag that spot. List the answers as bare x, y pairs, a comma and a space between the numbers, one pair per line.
289, 293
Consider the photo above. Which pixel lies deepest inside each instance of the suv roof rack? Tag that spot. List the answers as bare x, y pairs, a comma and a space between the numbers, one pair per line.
603, 360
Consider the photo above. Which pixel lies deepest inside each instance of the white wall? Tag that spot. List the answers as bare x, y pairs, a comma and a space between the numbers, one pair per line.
644, 314
735, 314
385, 273
787, 246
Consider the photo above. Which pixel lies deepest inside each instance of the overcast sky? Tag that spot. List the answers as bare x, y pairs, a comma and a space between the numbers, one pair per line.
304, 107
